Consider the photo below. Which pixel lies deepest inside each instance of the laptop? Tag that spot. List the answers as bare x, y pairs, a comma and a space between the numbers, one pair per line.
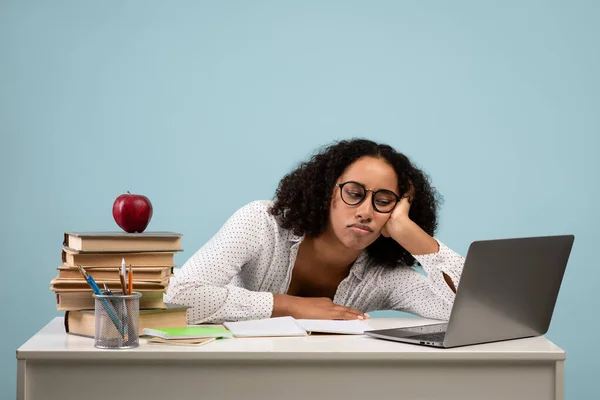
507, 290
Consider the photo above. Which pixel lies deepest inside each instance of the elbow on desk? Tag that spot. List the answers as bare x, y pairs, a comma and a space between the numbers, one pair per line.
195, 296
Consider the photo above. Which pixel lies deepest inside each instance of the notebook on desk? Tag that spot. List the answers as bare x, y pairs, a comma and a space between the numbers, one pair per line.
289, 326
188, 332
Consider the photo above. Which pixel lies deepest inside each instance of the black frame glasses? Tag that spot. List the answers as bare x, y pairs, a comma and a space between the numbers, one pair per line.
364, 196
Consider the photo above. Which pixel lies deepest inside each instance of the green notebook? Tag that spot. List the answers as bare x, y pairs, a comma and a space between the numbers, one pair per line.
189, 332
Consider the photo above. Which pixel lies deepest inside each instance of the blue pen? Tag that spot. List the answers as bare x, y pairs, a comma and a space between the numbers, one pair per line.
109, 308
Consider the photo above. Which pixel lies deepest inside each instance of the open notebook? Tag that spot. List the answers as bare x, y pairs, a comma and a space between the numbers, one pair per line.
288, 326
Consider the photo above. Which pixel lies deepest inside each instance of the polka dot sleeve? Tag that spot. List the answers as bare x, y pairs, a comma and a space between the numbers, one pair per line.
204, 282
445, 260
427, 295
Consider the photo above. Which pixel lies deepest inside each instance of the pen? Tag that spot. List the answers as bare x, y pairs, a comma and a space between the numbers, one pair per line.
107, 290
109, 308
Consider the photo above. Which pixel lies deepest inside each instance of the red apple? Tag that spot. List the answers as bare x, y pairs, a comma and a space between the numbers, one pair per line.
132, 212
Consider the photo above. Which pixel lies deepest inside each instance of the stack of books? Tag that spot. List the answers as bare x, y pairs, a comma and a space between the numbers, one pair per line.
150, 256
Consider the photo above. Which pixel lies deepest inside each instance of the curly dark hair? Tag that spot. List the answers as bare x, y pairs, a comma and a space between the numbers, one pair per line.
303, 196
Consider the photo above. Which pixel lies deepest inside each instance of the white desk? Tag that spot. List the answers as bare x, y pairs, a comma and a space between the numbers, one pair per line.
54, 365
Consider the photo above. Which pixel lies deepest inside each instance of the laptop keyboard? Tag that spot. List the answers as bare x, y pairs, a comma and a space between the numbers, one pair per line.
430, 337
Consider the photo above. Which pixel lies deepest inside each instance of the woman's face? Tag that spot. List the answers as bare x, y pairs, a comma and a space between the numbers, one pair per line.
360, 225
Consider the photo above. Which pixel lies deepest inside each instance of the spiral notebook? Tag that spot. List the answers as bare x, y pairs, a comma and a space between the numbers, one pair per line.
289, 326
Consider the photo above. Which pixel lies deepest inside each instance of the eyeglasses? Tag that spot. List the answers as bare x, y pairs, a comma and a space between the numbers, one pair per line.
354, 193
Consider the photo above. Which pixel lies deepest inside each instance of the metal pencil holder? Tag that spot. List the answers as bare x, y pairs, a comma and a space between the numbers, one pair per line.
117, 320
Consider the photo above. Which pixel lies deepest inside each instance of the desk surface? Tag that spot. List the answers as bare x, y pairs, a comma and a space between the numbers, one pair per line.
51, 342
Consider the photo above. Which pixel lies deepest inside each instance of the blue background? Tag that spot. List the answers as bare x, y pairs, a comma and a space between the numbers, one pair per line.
204, 106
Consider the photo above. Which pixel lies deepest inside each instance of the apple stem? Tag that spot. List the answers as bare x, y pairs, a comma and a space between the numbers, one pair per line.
128, 192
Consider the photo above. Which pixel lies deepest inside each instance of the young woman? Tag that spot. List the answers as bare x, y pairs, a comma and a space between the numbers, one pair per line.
339, 240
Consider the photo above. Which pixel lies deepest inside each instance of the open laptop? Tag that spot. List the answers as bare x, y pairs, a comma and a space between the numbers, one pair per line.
507, 290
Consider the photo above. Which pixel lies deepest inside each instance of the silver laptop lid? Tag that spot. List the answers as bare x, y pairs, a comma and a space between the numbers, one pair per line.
508, 289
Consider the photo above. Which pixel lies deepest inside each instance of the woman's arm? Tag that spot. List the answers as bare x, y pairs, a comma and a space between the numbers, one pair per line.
428, 252
204, 281
422, 246
428, 295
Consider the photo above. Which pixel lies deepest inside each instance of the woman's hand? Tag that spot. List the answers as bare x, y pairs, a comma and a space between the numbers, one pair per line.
399, 217
406, 232
312, 308
409, 235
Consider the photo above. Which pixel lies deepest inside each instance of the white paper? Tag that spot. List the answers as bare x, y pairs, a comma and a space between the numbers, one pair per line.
288, 326
279, 326
349, 327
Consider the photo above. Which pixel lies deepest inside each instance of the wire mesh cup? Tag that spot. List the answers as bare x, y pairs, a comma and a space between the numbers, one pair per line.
117, 319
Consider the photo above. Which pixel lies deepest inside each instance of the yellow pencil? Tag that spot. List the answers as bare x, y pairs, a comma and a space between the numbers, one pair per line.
130, 280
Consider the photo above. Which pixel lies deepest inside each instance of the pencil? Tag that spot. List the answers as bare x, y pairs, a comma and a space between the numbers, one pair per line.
130, 280
130, 307
123, 286
82, 272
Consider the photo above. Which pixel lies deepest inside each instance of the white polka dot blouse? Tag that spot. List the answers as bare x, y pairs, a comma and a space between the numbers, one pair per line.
234, 275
